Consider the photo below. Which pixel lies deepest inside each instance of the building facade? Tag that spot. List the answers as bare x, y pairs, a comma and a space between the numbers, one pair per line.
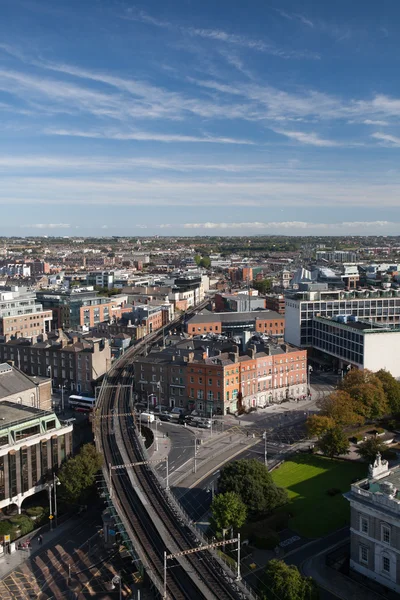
71, 364
361, 344
301, 307
201, 377
33, 444
21, 315
260, 321
375, 525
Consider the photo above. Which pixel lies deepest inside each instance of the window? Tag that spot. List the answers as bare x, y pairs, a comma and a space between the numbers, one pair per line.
210, 382
363, 524
385, 564
385, 533
2, 486
34, 464
12, 466
24, 469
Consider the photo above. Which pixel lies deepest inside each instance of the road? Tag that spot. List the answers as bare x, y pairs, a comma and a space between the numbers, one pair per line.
196, 501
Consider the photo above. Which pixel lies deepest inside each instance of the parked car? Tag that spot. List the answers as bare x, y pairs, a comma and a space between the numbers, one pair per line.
164, 416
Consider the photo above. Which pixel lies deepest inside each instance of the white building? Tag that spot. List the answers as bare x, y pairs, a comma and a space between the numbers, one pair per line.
301, 307
362, 344
375, 525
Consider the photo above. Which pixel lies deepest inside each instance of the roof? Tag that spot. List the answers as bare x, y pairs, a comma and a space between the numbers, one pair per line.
205, 316
12, 412
13, 381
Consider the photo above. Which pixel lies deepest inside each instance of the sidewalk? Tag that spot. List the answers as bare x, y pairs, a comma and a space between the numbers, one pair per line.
8, 562
335, 582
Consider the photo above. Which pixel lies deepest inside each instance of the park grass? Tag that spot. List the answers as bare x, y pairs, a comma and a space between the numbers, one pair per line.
307, 478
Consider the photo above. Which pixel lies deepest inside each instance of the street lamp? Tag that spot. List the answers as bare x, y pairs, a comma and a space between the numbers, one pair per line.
310, 370
116, 580
50, 370
63, 387
52, 485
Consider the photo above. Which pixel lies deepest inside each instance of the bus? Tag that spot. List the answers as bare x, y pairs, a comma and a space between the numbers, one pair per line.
82, 403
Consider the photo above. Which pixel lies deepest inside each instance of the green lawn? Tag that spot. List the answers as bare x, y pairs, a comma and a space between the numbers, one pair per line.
307, 479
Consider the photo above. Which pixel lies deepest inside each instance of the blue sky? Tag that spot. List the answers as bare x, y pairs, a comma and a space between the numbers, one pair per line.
194, 118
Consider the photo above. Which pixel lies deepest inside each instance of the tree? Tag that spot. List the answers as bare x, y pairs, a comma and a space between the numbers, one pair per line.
77, 475
228, 510
341, 408
391, 387
367, 391
263, 286
334, 442
205, 262
197, 259
286, 583
252, 482
370, 448
317, 425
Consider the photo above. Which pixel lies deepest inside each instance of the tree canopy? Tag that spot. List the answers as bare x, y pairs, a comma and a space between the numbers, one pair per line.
333, 442
317, 425
286, 583
77, 475
252, 482
341, 408
228, 510
370, 448
391, 388
368, 393
263, 286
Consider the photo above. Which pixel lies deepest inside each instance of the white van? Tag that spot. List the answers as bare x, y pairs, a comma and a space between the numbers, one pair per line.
146, 417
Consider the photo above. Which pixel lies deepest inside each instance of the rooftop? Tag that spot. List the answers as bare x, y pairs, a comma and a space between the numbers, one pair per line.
12, 413
206, 316
13, 382
366, 327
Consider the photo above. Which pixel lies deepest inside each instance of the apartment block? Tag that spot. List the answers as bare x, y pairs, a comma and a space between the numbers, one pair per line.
81, 308
211, 377
382, 306
21, 315
75, 365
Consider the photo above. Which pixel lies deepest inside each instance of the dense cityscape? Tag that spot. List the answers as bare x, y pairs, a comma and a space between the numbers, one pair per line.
252, 378
199, 300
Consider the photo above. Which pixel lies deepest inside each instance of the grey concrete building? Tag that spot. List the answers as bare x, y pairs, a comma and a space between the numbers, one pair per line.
375, 524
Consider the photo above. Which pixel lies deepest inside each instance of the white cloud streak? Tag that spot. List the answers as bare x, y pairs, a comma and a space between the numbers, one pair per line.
219, 35
387, 139
147, 136
48, 226
283, 225
311, 139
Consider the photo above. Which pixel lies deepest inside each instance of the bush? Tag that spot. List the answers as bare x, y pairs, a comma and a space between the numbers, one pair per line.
35, 511
6, 528
357, 438
333, 491
392, 424
265, 541
22, 523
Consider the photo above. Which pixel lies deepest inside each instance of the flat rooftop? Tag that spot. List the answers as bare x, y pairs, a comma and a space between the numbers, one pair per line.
363, 326
11, 413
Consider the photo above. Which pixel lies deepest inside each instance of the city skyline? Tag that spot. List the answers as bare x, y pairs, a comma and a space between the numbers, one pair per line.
196, 120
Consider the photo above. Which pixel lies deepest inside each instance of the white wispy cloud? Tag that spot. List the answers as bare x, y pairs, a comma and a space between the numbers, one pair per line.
387, 139
147, 136
311, 139
375, 122
208, 192
48, 226
295, 16
283, 225
219, 35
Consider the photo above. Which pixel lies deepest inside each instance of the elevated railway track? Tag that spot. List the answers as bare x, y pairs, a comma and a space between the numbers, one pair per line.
148, 513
